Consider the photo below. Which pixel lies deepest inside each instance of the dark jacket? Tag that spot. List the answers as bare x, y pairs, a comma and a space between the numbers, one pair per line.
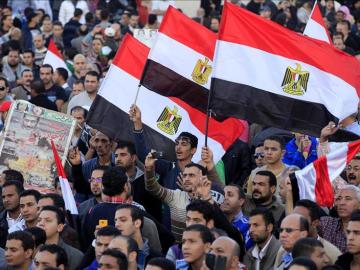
70, 31
4, 227
344, 261
43, 101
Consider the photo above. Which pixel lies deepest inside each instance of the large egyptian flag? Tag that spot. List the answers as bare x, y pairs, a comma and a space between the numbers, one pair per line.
54, 58
314, 182
267, 74
315, 26
164, 118
180, 61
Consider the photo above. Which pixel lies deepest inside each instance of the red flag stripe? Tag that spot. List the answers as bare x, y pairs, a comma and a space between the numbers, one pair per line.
200, 38
268, 36
323, 189
59, 166
317, 17
52, 47
354, 148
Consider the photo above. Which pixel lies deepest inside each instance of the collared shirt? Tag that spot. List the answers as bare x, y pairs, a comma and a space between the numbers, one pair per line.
331, 229
19, 226
241, 222
12, 221
143, 253
259, 254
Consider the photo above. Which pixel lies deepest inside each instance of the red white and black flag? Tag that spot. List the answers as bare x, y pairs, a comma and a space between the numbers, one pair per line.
267, 74
164, 117
180, 61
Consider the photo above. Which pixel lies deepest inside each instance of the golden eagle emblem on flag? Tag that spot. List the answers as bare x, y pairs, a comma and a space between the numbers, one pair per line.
202, 71
169, 120
295, 81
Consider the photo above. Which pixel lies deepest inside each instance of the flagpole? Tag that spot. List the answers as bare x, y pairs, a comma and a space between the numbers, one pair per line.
141, 81
208, 113
137, 93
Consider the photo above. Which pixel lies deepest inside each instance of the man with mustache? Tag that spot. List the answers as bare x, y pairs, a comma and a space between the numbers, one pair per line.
353, 171
23, 90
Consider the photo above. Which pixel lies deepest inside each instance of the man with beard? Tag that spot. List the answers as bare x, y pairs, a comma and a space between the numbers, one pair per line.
263, 195
13, 68
353, 171
23, 91
263, 254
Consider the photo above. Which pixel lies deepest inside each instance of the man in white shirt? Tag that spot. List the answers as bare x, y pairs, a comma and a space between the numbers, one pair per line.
159, 8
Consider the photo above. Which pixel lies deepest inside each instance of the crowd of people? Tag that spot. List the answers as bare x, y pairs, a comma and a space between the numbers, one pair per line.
138, 210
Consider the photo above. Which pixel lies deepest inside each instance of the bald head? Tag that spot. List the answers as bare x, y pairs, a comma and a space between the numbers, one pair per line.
293, 227
227, 247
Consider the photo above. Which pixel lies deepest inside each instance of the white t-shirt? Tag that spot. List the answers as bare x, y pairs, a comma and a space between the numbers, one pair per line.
161, 5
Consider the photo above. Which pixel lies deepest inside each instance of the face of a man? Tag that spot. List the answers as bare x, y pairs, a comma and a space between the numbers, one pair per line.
29, 208
290, 232
306, 214
3, 90
232, 203
44, 259
262, 191
339, 43
195, 217
134, 21
15, 254
193, 247
353, 172
124, 159
44, 202
183, 149
353, 237
57, 30
101, 243
79, 64
124, 222
346, 202
214, 25
77, 88
91, 84
28, 59
223, 247
108, 263
102, 144
320, 258
191, 176
47, 26
13, 58
119, 244
258, 230
46, 75
10, 198
80, 119
259, 156
29, 121
27, 78
48, 222
96, 182
38, 42
273, 152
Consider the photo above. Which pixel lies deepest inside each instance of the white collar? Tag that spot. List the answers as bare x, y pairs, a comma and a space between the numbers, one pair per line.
260, 254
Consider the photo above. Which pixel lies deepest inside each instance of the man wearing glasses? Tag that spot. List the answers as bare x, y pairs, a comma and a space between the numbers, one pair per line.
259, 156
293, 227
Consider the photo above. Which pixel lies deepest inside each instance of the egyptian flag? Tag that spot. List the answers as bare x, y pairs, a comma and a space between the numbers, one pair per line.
314, 181
54, 58
180, 61
66, 191
315, 27
267, 74
164, 117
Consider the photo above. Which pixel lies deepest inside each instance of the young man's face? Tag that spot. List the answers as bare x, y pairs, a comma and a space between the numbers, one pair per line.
49, 223
191, 177
353, 237
101, 243
258, 230
10, 198
195, 217
15, 254
107, 262
124, 159
124, 222
183, 149
232, 203
193, 247
29, 208
96, 182
28, 59
273, 151
44, 259
320, 258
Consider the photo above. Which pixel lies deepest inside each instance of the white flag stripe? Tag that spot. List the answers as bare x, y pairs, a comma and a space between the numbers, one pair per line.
56, 62
336, 161
315, 30
306, 182
68, 196
236, 63
152, 105
176, 56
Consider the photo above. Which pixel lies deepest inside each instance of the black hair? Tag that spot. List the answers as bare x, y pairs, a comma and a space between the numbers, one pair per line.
152, 18
278, 139
63, 73
304, 224
127, 144
18, 185
130, 242
270, 175
241, 193
79, 82
120, 257
56, 198
203, 207
200, 167
29, 51
26, 239
77, 108
303, 261
94, 74
26, 70
104, 14
78, 12
114, 180
39, 235
59, 214
61, 257
38, 86
162, 263
58, 24
313, 208
31, 192
205, 233
5, 81
89, 17
267, 215
304, 247
48, 66
135, 212
193, 138
108, 231
100, 168
355, 216
13, 175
